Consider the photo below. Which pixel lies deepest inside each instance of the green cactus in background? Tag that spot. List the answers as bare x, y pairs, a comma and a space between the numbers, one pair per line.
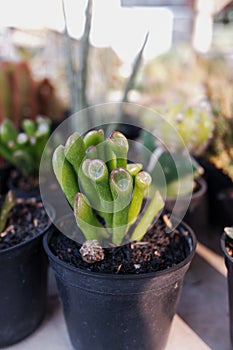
105, 192
195, 127
24, 149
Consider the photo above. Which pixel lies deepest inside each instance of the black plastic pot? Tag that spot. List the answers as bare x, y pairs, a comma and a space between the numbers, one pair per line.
13, 185
119, 311
196, 199
217, 182
229, 265
225, 197
5, 171
23, 292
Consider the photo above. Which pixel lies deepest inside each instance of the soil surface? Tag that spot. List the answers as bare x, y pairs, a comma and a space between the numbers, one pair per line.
157, 251
25, 221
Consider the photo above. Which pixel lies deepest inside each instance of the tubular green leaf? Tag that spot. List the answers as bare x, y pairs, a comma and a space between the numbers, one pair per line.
111, 160
119, 145
86, 220
65, 174
121, 184
75, 150
98, 173
87, 185
134, 168
142, 183
93, 138
146, 220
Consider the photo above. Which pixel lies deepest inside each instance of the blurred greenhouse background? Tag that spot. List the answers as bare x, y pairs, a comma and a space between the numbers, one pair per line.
181, 33
172, 56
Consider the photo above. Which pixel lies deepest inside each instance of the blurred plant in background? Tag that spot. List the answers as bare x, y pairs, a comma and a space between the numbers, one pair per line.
194, 125
219, 86
21, 96
24, 149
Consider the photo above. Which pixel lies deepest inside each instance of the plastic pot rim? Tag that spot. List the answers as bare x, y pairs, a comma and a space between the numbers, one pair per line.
24, 243
100, 275
202, 190
223, 247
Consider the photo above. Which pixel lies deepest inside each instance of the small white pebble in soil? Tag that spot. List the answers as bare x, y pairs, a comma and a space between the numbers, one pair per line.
137, 266
92, 251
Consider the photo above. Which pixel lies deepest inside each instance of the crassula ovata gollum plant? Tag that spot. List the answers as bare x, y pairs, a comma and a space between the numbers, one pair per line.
24, 148
105, 192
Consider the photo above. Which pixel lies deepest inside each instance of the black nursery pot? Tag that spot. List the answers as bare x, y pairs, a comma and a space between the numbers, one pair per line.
116, 312
13, 184
23, 292
229, 265
5, 171
197, 197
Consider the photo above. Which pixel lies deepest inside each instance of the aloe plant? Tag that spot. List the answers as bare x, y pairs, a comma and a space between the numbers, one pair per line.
24, 149
105, 193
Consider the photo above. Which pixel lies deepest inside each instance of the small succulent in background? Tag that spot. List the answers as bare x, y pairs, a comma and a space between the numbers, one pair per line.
195, 128
218, 84
105, 192
194, 125
24, 149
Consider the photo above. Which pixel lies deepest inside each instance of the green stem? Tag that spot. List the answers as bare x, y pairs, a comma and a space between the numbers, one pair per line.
143, 225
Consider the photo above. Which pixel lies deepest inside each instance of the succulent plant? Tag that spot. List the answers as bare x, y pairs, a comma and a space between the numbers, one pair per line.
195, 128
220, 93
105, 192
24, 149
194, 125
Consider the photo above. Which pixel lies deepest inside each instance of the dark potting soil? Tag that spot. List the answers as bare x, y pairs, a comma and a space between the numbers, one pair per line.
157, 251
25, 221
